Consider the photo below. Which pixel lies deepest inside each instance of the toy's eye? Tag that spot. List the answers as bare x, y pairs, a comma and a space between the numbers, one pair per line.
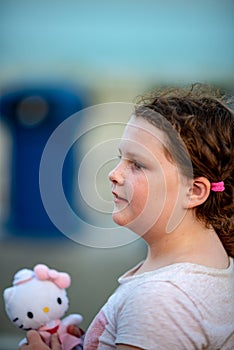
59, 300
30, 314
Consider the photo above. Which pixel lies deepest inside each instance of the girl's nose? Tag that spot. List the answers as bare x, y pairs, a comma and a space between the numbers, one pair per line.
117, 175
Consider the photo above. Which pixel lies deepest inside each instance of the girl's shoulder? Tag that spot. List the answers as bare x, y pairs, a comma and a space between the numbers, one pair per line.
178, 271
191, 285
196, 281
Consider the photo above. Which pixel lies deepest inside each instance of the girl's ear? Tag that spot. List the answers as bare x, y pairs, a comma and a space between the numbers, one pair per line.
199, 192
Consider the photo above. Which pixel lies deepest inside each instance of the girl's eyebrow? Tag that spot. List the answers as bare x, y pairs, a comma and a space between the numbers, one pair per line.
131, 155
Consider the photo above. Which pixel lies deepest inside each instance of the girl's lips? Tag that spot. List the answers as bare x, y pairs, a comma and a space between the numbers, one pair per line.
117, 198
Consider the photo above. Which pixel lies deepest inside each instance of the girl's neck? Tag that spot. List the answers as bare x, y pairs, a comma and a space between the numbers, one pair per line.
195, 244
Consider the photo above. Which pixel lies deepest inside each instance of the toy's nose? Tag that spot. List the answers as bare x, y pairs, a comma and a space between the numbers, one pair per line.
46, 309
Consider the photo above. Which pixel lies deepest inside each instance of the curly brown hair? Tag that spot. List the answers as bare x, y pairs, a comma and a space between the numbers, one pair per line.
201, 118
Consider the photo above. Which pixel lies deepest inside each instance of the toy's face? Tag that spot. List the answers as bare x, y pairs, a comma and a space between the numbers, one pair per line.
35, 303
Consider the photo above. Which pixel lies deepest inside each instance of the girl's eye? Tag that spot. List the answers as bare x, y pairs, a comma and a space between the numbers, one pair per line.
137, 165
30, 314
59, 301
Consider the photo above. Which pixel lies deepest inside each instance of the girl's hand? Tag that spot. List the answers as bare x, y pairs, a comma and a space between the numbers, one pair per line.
36, 343
75, 330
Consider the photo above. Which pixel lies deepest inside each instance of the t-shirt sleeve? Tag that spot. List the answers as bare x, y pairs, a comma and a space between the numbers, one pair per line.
160, 316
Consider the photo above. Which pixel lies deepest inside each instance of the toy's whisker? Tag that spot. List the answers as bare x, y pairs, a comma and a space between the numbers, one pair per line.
15, 319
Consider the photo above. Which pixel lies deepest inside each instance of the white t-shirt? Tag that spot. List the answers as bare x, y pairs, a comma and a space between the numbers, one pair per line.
183, 306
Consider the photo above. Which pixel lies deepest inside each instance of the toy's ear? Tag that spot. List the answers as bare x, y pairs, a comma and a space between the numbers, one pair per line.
22, 276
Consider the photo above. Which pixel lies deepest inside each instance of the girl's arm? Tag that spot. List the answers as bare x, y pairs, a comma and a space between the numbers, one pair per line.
36, 343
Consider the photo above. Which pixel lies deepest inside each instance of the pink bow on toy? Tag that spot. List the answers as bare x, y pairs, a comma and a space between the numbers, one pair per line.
43, 273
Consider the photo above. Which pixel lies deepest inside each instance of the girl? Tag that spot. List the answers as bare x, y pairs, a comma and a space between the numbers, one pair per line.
174, 187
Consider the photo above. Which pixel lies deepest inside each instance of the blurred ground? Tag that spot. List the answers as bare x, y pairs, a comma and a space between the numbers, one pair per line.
94, 274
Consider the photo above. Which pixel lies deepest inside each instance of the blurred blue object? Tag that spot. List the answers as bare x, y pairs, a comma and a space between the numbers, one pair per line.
32, 114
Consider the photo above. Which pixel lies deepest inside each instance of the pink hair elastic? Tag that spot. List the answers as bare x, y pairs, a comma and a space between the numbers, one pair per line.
217, 186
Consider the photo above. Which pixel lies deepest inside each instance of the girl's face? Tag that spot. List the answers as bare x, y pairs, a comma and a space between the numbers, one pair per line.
146, 185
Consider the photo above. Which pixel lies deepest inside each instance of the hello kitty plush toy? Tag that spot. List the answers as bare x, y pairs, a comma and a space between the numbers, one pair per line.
38, 300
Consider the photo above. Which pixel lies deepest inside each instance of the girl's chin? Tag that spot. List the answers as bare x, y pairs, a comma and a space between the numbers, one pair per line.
120, 218
133, 225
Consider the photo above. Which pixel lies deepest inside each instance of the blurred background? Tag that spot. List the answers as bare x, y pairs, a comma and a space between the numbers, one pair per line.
58, 58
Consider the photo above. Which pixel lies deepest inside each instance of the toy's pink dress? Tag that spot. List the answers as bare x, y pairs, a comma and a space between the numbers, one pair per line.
68, 341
